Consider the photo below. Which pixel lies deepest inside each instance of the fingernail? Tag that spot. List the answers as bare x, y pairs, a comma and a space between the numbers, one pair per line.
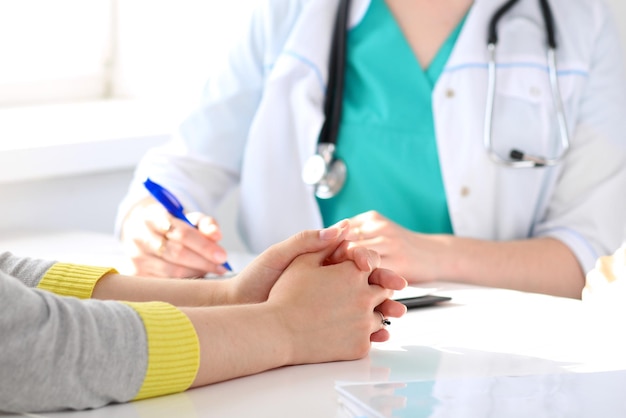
370, 262
333, 231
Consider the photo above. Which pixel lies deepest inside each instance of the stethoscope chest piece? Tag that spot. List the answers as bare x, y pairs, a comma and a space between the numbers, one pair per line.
326, 173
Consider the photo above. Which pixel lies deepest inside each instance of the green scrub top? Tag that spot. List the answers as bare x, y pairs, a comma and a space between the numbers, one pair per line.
387, 133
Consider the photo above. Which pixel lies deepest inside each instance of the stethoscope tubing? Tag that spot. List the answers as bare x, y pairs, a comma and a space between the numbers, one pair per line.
517, 159
333, 101
328, 174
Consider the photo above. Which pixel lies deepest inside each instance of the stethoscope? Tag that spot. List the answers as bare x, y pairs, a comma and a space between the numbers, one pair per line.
328, 174
517, 158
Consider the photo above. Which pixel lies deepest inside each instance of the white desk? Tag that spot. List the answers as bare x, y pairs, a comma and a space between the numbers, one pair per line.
482, 332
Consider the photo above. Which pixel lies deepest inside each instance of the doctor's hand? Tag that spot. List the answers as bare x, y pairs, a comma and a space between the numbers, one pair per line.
163, 246
417, 257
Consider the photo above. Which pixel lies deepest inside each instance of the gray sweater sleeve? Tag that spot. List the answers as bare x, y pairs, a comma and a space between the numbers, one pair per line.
61, 352
29, 271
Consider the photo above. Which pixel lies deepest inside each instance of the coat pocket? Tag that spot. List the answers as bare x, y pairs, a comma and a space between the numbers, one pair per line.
525, 109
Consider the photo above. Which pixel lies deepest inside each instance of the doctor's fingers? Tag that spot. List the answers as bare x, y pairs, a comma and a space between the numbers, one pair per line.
201, 240
151, 216
207, 225
196, 249
366, 225
365, 217
178, 252
147, 256
177, 260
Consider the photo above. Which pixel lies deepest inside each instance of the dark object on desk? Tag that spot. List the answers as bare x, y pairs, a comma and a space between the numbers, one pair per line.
426, 300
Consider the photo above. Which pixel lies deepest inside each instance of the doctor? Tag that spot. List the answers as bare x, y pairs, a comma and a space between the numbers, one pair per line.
425, 131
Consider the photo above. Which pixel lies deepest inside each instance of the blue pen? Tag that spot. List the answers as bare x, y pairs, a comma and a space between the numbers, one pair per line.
173, 206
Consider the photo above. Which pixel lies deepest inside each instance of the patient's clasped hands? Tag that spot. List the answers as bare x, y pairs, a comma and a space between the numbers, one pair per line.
324, 290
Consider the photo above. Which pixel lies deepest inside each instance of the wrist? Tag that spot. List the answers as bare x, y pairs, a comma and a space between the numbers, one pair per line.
215, 292
250, 340
465, 259
284, 333
450, 257
453, 258
287, 334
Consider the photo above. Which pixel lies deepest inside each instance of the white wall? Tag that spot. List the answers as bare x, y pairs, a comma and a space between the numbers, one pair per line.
87, 203
181, 39
164, 51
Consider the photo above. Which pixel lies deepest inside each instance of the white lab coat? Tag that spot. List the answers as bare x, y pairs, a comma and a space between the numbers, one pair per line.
260, 119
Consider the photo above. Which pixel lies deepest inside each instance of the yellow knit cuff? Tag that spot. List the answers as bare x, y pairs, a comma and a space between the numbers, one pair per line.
173, 349
72, 279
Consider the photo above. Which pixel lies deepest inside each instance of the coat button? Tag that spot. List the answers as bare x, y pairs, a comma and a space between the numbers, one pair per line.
465, 191
449, 93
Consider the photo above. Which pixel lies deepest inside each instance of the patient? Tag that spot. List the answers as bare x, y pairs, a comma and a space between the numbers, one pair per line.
287, 307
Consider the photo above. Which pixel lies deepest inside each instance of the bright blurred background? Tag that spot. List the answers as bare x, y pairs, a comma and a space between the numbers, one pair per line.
87, 86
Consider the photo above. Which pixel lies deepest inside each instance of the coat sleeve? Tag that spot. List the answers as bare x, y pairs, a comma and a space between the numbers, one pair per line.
587, 208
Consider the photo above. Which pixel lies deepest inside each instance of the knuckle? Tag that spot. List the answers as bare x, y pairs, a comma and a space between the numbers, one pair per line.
175, 250
373, 214
302, 235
